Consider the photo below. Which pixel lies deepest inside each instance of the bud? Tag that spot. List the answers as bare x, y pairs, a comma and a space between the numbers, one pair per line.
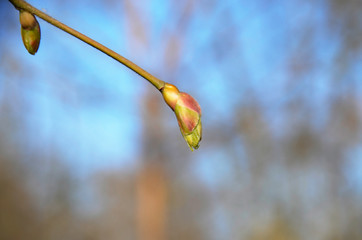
27, 20
30, 31
188, 114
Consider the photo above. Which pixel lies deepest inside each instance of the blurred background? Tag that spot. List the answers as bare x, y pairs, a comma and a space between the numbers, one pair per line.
89, 150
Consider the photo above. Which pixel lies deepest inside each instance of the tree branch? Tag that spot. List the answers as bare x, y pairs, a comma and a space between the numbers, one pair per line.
22, 5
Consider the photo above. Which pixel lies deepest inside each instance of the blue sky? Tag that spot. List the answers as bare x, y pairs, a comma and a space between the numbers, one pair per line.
80, 100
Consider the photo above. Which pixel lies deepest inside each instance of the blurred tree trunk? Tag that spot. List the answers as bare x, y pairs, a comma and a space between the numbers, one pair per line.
152, 201
151, 181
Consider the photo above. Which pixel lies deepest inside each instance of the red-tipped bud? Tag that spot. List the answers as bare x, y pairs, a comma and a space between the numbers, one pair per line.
188, 114
30, 31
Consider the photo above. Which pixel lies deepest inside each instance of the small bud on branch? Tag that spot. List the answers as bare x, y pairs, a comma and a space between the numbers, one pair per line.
186, 108
30, 31
188, 114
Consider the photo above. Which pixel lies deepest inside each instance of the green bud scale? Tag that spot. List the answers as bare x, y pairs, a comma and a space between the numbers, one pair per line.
188, 114
30, 31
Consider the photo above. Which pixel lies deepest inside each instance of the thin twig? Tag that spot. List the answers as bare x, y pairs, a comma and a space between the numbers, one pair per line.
20, 4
